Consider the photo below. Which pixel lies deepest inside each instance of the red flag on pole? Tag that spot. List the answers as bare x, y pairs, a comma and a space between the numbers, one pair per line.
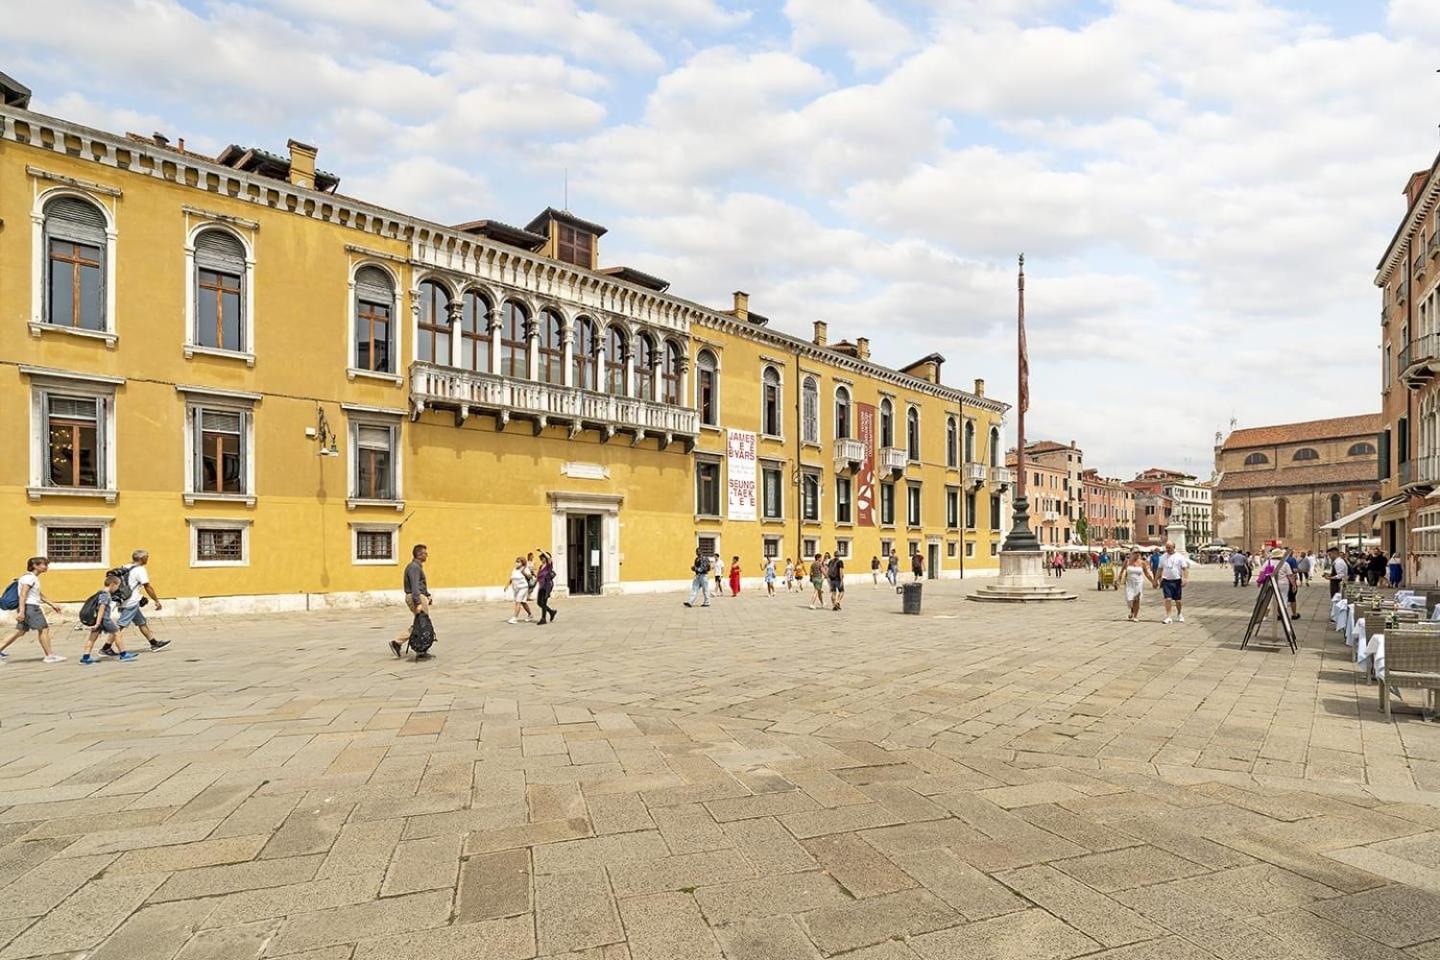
1024, 351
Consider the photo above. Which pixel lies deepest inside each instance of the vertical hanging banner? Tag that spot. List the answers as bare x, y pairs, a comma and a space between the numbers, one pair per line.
865, 479
740, 469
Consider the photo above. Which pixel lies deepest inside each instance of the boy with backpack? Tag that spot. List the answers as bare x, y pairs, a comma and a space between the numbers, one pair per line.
98, 615
24, 597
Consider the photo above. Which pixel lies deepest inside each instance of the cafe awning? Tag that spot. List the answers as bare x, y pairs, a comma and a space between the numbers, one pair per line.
1360, 514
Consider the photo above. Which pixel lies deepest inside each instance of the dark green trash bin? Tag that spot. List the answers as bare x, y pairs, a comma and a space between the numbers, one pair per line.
910, 597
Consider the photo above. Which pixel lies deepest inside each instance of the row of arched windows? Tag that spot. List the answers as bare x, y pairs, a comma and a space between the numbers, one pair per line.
1361, 449
462, 335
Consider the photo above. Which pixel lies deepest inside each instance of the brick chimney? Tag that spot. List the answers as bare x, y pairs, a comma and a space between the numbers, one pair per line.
742, 305
862, 348
979, 387
820, 335
302, 164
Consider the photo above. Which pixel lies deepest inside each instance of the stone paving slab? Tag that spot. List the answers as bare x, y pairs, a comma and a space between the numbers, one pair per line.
753, 781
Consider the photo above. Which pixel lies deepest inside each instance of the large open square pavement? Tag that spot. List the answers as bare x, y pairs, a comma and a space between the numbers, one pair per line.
756, 781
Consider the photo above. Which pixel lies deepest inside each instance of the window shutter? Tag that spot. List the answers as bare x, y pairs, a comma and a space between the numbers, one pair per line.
222, 421
197, 457
373, 284
75, 219
218, 250
373, 438
97, 410
1383, 442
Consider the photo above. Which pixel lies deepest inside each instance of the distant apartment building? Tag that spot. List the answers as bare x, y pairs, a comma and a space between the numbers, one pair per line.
1069, 461
1047, 488
1190, 499
1109, 509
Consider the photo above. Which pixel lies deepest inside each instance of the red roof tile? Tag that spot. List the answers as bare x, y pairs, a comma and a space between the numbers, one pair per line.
1364, 425
1355, 474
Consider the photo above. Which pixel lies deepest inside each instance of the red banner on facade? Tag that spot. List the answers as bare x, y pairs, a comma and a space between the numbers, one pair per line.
865, 479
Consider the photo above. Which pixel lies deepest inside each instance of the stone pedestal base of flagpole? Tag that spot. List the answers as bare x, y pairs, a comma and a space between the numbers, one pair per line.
1022, 580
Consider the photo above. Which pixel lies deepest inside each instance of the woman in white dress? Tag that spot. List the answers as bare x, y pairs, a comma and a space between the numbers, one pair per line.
1136, 573
520, 591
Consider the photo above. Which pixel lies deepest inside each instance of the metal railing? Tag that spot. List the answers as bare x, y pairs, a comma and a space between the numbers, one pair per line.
432, 385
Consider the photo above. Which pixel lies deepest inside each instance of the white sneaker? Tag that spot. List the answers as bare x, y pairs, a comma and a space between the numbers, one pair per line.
512, 620
1167, 620
54, 658
1182, 618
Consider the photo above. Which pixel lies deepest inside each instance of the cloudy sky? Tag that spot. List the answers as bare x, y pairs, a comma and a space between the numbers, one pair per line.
1202, 187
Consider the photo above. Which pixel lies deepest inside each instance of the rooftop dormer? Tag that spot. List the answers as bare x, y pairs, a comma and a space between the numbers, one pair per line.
568, 238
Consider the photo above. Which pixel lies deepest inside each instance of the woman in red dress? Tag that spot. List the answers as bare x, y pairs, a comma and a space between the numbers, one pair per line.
734, 576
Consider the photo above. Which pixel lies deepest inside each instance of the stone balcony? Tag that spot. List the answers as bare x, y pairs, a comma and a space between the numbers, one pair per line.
1002, 476
546, 404
849, 454
974, 474
893, 459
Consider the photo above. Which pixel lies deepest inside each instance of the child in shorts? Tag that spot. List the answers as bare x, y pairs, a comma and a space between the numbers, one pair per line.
105, 623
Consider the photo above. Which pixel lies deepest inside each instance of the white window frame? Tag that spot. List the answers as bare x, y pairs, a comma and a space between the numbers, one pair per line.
779, 386
715, 387
810, 430
770, 547
196, 524
41, 254
357, 528
774, 465
969, 549
247, 300
842, 548
849, 485
917, 520
809, 546
880, 503
721, 499
352, 345
42, 546
919, 451
843, 390
952, 496
356, 417
819, 478
227, 401
45, 381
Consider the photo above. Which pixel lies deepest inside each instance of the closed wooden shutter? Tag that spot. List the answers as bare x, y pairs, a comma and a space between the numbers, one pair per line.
373, 286
221, 251
74, 219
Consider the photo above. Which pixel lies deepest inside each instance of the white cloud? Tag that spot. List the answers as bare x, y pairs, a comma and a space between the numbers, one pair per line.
866, 34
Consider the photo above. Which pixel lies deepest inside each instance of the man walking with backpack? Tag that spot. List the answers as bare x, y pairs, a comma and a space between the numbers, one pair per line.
417, 599
700, 585
134, 579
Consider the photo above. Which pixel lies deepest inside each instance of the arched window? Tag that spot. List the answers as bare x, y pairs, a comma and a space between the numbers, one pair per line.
514, 347
587, 354
1361, 449
374, 318
842, 413
1281, 520
809, 411
219, 290
887, 423
551, 347
617, 358
75, 264
1334, 506
912, 434
474, 332
1306, 453
432, 337
1255, 459
969, 441
645, 368
707, 388
950, 453
994, 446
670, 375
770, 401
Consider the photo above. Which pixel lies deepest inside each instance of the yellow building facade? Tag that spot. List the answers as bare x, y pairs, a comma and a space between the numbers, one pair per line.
277, 390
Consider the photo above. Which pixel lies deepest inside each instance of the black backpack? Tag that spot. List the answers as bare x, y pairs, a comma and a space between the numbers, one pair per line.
90, 610
122, 592
422, 633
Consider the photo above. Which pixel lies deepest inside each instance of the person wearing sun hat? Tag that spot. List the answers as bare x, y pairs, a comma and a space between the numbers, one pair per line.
1286, 578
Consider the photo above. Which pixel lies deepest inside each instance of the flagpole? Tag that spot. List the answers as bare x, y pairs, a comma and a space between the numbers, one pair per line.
1021, 537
